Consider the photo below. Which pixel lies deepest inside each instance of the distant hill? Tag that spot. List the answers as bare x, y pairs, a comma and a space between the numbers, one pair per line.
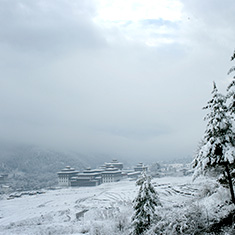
31, 167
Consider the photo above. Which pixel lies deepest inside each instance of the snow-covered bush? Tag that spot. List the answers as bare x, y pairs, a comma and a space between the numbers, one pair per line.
123, 221
196, 216
108, 227
207, 189
182, 220
101, 229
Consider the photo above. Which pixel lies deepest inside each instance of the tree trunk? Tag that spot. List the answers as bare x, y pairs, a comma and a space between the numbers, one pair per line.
148, 220
230, 182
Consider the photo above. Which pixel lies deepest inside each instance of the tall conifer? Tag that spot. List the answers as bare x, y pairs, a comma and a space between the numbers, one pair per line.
144, 205
231, 91
217, 148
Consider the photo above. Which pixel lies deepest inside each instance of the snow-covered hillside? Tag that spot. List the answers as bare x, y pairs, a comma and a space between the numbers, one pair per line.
105, 209
31, 167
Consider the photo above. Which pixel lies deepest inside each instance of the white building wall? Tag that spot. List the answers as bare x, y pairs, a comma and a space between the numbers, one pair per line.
63, 181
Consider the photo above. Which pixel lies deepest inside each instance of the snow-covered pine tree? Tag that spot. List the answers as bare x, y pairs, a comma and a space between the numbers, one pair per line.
217, 148
144, 205
231, 91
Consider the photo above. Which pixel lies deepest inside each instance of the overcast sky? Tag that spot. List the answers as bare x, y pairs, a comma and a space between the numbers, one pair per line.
125, 78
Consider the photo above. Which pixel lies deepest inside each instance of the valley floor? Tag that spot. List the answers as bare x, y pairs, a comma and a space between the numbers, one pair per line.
86, 210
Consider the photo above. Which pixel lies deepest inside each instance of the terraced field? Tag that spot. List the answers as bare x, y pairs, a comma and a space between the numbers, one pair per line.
75, 210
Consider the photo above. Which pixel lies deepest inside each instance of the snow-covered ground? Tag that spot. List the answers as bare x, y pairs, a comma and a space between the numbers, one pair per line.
87, 210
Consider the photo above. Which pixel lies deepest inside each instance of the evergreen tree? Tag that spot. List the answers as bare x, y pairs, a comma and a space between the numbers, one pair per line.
231, 91
144, 205
217, 148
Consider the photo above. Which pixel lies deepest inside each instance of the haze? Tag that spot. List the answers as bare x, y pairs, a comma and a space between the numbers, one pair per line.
123, 78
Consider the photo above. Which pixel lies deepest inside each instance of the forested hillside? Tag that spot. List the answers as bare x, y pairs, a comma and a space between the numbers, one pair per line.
31, 167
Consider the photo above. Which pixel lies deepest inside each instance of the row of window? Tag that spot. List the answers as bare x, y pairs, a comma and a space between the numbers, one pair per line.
63, 179
105, 179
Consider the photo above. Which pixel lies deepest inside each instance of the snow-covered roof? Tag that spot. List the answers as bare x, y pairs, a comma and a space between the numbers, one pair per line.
67, 172
134, 173
93, 171
88, 174
112, 172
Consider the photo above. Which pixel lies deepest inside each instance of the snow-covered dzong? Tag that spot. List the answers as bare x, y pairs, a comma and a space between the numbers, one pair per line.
109, 172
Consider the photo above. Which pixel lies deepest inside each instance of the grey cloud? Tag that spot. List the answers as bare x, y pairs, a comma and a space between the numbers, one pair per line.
210, 23
51, 26
117, 98
215, 13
